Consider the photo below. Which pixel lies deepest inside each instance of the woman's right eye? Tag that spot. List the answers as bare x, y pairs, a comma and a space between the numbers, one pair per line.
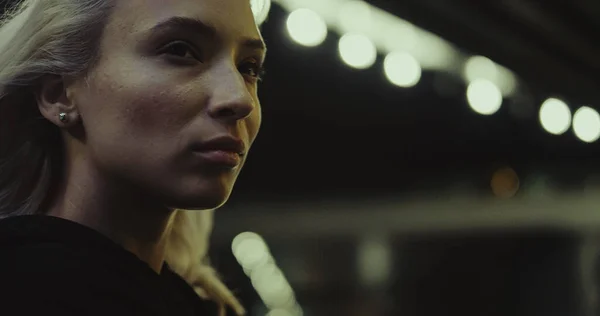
180, 49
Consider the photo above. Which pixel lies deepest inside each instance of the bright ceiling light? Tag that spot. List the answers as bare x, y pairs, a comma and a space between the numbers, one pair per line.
357, 51
555, 116
306, 27
586, 124
402, 69
484, 97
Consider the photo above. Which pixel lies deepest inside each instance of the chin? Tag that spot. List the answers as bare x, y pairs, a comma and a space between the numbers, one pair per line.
202, 203
201, 198
197, 203
196, 191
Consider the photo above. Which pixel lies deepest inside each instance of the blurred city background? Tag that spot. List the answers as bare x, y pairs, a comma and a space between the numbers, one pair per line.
420, 158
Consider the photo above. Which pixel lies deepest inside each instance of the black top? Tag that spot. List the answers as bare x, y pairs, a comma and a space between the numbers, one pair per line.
52, 266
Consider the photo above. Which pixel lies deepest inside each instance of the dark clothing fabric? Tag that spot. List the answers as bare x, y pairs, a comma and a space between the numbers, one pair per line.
52, 266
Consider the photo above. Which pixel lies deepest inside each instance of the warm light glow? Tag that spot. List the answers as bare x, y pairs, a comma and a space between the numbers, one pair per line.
306, 27
505, 183
357, 51
586, 124
555, 116
402, 69
484, 97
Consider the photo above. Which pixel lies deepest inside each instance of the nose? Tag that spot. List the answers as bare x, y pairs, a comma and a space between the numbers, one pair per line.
231, 100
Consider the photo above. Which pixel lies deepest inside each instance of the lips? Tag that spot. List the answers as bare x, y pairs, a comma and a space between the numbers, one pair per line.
225, 151
220, 158
222, 143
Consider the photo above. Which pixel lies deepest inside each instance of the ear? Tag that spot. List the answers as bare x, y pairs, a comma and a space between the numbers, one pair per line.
55, 101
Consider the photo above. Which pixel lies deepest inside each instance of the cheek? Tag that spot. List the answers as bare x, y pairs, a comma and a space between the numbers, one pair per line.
153, 109
254, 123
144, 105
140, 114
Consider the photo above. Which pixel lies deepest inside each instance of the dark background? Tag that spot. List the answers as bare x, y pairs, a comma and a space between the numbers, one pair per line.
330, 127
333, 134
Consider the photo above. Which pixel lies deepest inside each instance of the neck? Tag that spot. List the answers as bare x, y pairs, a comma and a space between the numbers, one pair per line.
126, 217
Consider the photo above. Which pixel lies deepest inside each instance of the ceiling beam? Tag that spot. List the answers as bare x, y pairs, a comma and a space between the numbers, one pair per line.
305, 220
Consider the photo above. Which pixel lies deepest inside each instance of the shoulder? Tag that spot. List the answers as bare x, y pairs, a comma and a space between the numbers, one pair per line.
30, 263
45, 277
33, 258
43, 271
33, 247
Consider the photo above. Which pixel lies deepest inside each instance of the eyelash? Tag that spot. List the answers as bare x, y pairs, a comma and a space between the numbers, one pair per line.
258, 71
188, 47
255, 67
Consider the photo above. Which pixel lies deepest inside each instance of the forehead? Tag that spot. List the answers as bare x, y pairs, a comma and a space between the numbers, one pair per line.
231, 18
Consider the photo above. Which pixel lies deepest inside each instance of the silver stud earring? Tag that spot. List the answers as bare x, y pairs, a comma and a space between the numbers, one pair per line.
63, 117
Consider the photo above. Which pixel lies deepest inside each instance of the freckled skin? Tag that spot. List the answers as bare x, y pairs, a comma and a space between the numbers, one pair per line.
142, 111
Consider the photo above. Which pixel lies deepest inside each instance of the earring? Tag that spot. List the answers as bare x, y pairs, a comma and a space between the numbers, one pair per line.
63, 117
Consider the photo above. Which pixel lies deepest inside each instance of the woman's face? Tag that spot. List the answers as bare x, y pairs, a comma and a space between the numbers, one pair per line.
172, 107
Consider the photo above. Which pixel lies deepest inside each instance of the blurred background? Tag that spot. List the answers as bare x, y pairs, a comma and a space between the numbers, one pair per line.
421, 157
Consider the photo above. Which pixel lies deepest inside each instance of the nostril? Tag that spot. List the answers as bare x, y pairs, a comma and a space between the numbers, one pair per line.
226, 112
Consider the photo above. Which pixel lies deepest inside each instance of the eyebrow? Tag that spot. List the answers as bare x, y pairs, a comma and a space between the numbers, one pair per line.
198, 26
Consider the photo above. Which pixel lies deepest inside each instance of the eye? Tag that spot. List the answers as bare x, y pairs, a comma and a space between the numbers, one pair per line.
252, 69
180, 49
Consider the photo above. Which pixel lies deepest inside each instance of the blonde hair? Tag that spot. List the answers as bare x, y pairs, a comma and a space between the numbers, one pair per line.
187, 255
62, 37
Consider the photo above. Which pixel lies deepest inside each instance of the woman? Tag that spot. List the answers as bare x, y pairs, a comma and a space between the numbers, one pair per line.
114, 115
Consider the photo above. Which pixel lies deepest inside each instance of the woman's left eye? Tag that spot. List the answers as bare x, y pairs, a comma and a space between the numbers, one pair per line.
252, 69
180, 49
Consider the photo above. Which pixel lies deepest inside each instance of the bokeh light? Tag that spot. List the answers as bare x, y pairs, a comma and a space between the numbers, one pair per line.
402, 69
250, 250
306, 27
484, 97
555, 116
586, 124
357, 51
505, 183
